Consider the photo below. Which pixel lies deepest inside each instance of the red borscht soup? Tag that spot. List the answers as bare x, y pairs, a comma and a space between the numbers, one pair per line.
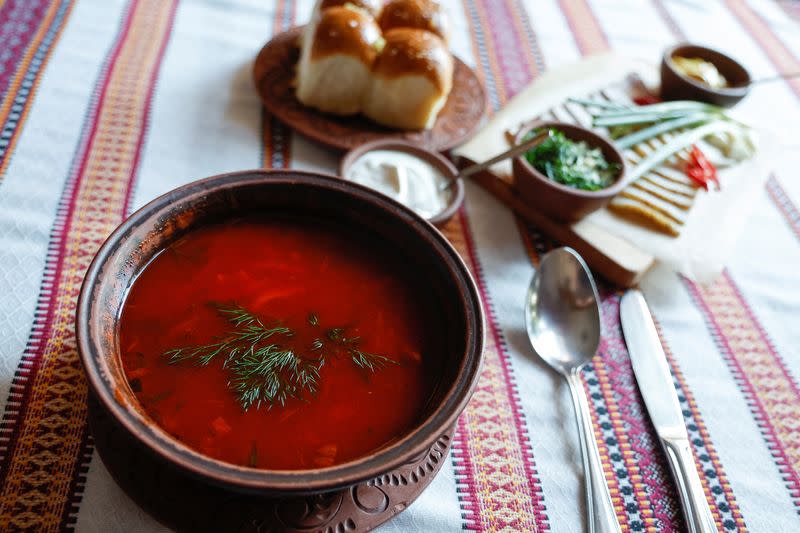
281, 344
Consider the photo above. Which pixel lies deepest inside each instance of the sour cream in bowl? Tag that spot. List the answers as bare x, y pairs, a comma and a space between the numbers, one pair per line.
415, 177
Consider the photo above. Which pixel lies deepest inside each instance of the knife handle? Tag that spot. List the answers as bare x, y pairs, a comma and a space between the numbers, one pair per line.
695, 505
600, 510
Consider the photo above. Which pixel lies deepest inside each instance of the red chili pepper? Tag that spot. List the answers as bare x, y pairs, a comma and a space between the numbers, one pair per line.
697, 176
698, 158
700, 169
646, 99
708, 167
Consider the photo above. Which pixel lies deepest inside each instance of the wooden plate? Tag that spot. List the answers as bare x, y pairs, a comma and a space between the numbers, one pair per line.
273, 73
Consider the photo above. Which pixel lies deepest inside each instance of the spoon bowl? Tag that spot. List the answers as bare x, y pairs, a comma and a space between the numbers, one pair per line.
562, 312
562, 316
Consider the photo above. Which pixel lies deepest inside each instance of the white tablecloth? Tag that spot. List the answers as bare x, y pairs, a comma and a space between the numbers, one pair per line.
105, 104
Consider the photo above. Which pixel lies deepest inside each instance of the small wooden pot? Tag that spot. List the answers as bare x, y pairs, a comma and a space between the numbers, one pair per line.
440, 162
561, 202
676, 86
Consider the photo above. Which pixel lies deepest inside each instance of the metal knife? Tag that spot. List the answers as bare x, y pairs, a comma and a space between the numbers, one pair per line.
655, 383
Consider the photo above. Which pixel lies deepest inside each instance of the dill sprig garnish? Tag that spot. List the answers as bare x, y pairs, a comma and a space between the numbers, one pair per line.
264, 367
271, 374
361, 359
369, 361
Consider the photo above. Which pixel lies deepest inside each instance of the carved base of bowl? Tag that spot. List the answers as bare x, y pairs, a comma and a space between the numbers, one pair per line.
187, 504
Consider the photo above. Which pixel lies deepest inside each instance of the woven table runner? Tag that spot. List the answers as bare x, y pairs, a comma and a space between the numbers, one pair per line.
105, 104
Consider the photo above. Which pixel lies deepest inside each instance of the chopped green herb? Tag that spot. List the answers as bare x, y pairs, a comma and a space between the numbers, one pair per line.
265, 365
571, 163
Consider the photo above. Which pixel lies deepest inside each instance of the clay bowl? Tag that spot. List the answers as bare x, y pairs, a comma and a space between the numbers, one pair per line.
557, 201
676, 86
435, 159
167, 218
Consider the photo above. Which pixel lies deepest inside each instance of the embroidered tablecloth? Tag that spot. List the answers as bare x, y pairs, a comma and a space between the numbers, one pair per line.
105, 104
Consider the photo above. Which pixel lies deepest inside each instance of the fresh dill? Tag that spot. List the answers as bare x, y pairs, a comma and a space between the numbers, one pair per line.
264, 363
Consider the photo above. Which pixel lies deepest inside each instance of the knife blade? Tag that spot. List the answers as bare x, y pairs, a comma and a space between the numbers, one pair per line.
658, 390
650, 366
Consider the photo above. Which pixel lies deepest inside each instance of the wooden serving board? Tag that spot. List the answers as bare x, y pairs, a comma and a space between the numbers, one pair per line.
609, 255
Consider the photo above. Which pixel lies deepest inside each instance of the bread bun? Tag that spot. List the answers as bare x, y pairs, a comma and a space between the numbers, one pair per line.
412, 78
387, 59
373, 7
334, 71
420, 14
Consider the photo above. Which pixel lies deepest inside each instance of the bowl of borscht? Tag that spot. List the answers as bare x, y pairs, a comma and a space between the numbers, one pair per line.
280, 332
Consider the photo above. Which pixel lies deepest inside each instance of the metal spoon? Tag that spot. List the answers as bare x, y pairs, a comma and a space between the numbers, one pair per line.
769, 79
562, 315
514, 151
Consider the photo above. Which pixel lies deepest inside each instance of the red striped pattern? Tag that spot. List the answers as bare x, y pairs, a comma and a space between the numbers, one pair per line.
585, 28
669, 21
506, 48
770, 390
45, 460
20, 389
784, 204
498, 485
276, 137
791, 8
29, 31
761, 32
783, 60
637, 445
722, 497
758, 368
497, 481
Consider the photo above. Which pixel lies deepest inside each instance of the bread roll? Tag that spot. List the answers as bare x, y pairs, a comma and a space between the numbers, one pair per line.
334, 71
373, 7
411, 80
420, 14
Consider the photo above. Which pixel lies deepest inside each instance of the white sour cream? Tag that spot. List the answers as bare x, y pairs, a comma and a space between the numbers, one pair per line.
410, 180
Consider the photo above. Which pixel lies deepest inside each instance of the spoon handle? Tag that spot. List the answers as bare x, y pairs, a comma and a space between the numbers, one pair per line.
599, 509
514, 151
768, 79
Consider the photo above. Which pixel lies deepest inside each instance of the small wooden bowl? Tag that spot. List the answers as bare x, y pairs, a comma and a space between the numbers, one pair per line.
435, 159
676, 86
557, 201
168, 218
